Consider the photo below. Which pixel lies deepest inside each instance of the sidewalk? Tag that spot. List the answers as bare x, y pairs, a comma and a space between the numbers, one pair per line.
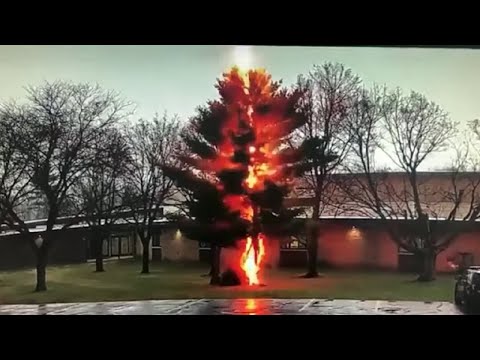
238, 307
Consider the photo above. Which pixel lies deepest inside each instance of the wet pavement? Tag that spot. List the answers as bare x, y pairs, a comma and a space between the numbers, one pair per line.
238, 307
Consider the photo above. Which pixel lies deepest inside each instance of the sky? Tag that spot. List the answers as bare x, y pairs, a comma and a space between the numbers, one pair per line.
177, 79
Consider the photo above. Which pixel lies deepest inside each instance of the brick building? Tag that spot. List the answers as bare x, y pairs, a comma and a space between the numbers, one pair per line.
353, 236
348, 238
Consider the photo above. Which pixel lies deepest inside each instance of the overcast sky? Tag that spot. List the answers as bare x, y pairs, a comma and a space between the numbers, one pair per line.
177, 79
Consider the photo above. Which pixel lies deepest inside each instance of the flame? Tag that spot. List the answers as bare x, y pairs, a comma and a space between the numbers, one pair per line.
252, 179
257, 174
241, 204
250, 99
251, 259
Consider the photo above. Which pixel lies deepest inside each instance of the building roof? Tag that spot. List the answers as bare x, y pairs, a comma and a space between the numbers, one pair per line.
439, 210
39, 225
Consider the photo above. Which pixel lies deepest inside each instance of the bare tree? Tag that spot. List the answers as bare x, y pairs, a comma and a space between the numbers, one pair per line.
97, 195
16, 189
55, 133
153, 144
408, 129
328, 92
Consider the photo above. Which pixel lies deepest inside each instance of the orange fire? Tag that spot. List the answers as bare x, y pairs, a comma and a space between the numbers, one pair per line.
257, 174
250, 94
241, 204
251, 260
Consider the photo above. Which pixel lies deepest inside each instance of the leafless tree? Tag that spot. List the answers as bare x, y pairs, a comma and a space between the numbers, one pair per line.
55, 131
97, 195
328, 91
15, 186
408, 129
154, 145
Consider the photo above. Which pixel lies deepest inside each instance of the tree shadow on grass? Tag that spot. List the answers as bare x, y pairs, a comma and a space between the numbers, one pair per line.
302, 276
412, 281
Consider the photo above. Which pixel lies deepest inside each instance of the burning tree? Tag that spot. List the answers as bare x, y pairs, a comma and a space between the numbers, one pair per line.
239, 168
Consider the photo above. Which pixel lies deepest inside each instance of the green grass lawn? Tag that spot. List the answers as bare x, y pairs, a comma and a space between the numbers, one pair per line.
123, 281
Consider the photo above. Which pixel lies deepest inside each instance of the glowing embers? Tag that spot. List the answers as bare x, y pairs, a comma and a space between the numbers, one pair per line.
257, 174
252, 259
240, 203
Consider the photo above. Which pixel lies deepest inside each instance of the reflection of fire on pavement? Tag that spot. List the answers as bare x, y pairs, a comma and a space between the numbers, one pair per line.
249, 307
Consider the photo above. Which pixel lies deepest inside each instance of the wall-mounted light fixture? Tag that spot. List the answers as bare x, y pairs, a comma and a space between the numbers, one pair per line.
38, 241
354, 234
178, 235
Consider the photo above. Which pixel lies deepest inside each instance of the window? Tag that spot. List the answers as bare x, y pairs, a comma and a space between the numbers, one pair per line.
204, 245
105, 247
402, 251
416, 242
131, 245
156, 241
295, 243
120, 245
114, 246
124, 246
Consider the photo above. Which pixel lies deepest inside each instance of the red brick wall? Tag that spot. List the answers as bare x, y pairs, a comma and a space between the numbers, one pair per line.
344, 246
177, 247
347, 246
469, 242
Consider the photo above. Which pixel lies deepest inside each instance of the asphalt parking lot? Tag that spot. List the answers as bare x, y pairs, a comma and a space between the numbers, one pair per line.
238, 307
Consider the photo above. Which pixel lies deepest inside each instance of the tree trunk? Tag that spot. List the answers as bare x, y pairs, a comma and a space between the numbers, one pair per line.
312, 249
210, 262
41, 255
146, 257
215, 277
429, 258
99, 263
98, 241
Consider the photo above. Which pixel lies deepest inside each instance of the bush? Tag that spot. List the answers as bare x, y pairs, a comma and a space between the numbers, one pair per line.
230, 278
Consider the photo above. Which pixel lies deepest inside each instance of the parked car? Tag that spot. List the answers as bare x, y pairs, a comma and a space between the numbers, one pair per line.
467, 288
